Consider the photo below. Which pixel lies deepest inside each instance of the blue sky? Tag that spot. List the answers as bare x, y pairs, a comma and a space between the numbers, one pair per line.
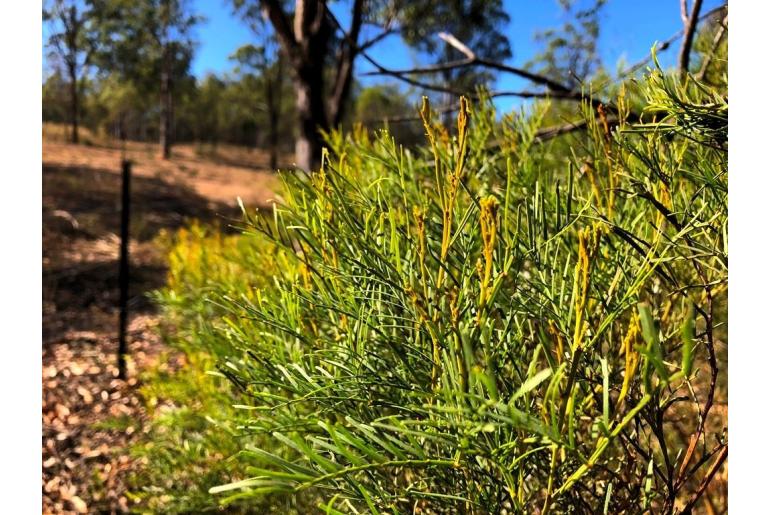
628, 30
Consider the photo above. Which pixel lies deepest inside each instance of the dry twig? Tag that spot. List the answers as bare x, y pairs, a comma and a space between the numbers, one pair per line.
689, 36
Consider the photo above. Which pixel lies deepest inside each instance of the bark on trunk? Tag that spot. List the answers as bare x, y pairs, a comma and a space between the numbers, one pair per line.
74, 105
165, 115
344, 78
306, 46
311, 115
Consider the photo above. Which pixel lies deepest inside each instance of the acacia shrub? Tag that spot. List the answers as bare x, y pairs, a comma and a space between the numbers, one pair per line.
493, 322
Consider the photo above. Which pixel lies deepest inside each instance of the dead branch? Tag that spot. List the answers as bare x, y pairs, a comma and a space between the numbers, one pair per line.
459, 45
706, 480
402, 75
661, 47
689, 36
376, 39
473, 60
421, 70
683, 11
717, 40
534, 77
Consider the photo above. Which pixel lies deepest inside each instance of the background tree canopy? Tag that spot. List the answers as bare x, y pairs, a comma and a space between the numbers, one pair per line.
297, 78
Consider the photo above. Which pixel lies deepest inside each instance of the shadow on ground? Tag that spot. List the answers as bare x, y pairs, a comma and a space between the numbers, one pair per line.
90, 417
92, 197
81, 221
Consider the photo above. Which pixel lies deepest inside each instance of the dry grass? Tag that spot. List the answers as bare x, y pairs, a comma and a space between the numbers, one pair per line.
219, 175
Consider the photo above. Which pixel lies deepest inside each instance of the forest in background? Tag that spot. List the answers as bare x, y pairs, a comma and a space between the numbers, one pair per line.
123, 69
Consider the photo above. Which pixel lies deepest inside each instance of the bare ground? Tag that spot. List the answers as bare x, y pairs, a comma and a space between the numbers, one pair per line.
84, 465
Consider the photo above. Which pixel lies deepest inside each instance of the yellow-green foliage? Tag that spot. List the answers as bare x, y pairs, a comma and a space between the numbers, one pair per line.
194, 431
489, 322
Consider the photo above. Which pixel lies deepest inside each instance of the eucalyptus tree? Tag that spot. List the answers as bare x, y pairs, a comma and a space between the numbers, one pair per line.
70, 42
321, 51
305, 37
149, 43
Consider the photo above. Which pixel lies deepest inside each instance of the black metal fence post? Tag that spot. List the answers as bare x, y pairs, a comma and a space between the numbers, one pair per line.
124, 272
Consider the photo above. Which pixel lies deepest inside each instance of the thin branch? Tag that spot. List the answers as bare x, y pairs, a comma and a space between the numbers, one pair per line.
689, 36
661, 47
714, 46
376, 39
433, 68
459, 45
401, 75
562, 93
537, 79
556, 90
344, 75
471, 60
705, 483
683, 11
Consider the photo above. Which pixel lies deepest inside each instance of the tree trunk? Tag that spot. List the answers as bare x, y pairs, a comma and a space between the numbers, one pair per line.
306, 46
165, 120
165, 108
274, 86
344, 78
74, 104
311, 116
